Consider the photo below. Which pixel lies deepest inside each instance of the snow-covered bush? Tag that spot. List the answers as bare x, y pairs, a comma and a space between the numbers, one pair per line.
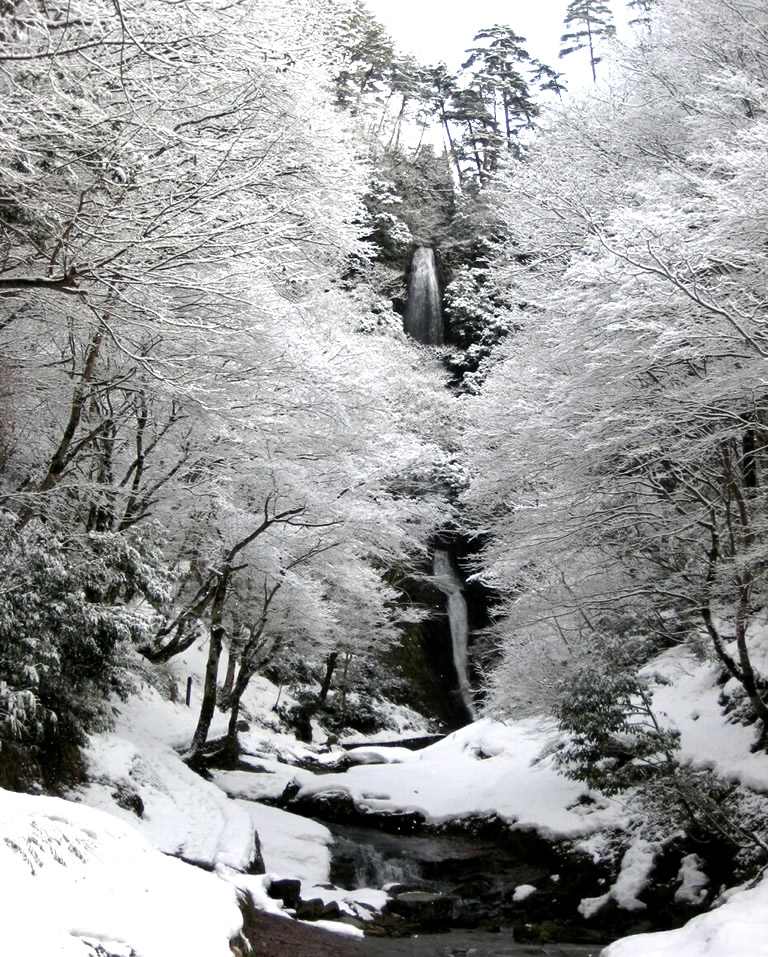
67, 612
615, 739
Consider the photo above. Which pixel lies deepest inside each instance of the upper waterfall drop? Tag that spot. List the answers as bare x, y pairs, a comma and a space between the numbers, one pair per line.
424, 314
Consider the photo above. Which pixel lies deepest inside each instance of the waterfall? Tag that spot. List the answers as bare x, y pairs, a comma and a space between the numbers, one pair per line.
357, 862
423, 314
450, 584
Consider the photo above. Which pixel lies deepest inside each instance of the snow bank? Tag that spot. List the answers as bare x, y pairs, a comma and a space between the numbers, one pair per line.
74, 878
707, 739
182, 814
489, 767
377, 755
737, 929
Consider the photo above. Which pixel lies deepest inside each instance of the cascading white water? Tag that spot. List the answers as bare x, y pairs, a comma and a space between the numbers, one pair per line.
359, 863
423, 314
450, 584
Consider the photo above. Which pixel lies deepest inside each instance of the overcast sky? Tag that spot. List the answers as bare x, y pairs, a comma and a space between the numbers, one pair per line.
434, 30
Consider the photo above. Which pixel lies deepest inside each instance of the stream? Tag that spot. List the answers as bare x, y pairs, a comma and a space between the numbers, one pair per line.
470, 887
472, 944
461, 882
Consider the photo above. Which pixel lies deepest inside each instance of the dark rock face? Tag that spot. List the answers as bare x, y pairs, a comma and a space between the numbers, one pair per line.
424, 659
339, 807
287, 890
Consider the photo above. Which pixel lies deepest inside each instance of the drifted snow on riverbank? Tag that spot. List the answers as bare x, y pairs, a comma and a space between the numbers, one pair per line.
75, 874
738, 928
487, 768
75, 879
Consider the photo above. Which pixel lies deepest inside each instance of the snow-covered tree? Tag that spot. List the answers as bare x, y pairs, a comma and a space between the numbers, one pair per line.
620, 434
586, 23
177, 340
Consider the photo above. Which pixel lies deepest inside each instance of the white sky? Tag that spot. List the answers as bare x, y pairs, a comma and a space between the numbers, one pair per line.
434, 30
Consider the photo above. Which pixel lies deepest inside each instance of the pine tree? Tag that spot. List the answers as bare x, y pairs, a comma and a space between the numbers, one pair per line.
642, 10
586, 21
496, 65
496, 101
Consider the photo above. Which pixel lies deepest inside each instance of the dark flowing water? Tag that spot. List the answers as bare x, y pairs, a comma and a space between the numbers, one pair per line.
365, 857
471, 943
473, 880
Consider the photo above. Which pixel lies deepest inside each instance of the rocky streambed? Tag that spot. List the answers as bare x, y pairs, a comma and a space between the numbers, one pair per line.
476, 884
469, 874
270, 935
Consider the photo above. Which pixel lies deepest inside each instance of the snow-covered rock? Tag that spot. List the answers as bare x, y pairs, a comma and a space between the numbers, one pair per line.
739, 928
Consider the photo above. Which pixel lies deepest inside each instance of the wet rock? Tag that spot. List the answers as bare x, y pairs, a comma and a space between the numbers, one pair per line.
287, 890
317, 909
429, 911
475, 889
413, 744
338, 807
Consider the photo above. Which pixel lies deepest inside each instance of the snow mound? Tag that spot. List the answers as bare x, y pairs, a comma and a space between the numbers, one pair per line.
75, 879
292, 846
636, 866
487, 768
737, 929
378, 755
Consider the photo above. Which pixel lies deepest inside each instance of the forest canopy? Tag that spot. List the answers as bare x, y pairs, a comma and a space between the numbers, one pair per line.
200, 430
213, 426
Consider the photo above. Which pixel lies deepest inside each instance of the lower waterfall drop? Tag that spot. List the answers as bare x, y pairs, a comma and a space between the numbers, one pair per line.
448, 581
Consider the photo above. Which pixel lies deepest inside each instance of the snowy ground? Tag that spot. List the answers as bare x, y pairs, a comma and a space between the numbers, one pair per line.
738, 928
486, 768
103, 879
74, 878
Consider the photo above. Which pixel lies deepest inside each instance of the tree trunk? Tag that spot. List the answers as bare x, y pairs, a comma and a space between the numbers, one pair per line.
344, 689
231, 749
194, 756
304, 728
229, 678
478, 160
60, 457
748, 679
451, 145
